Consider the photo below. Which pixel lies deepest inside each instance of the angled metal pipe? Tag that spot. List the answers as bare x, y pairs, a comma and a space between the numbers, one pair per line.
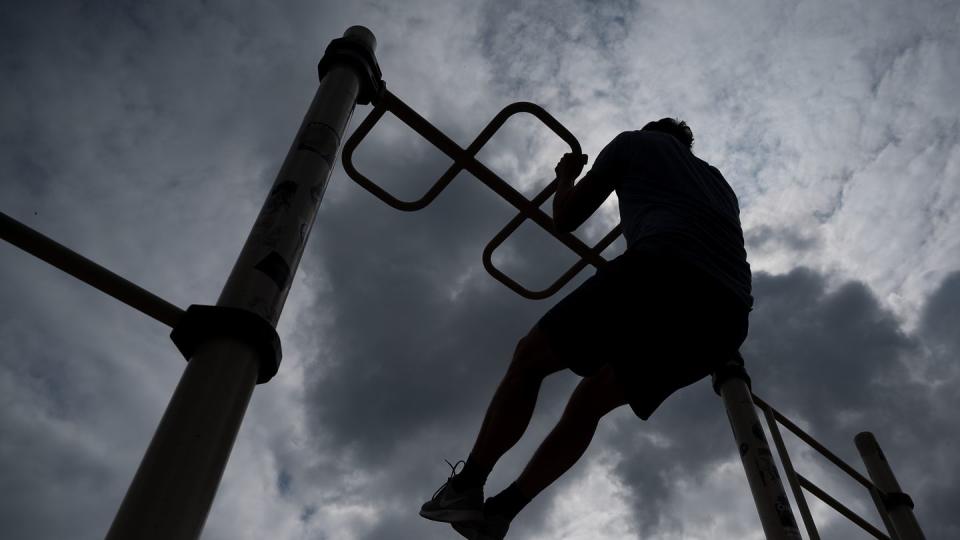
88, 271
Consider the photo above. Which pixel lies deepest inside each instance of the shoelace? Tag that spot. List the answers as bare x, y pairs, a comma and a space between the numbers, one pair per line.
453, 472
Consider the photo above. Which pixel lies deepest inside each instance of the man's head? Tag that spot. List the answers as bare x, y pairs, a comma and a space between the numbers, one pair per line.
677, 128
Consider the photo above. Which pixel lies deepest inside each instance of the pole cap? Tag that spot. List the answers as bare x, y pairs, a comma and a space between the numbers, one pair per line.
363, 36
355, 49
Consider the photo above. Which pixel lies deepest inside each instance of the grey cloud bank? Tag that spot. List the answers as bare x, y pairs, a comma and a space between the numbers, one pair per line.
144, 135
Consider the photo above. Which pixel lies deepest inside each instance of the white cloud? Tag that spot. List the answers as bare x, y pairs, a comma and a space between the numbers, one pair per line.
593, 507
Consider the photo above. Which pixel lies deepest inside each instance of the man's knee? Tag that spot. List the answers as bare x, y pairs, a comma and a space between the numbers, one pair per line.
532, 357
596, 396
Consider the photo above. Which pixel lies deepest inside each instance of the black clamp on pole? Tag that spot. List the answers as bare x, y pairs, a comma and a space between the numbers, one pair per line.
359, 56
732, 368
201, 323
896, 499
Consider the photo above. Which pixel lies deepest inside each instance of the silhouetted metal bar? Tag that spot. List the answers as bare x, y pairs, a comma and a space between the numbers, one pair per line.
805, 437
839, 507
877, 498
88, 271
897, 504
878, 502
174, 487
798, 496
465, 160
512, 226
419, 124
773, 506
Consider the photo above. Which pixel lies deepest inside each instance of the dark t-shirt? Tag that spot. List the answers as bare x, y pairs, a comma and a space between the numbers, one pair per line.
666, 191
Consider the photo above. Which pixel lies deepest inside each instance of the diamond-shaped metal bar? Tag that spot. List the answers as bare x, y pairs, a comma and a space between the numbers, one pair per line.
565, 278
464, 159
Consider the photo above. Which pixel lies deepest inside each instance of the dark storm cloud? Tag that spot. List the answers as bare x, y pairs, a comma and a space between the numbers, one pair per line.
831, 358
939, 316
933, 444
60, 446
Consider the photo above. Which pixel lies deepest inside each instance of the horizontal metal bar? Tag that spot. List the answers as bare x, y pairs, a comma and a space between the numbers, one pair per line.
805, 437
839, 507
88, 271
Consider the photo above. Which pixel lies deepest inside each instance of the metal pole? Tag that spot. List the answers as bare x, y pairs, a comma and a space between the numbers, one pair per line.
175, 484
812, 533
896, 504
776, 516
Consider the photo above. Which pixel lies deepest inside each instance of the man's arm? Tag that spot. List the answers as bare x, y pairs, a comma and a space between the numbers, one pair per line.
573, 204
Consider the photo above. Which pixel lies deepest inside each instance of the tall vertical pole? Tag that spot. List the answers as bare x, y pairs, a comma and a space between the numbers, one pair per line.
228, 346
893, 503
776, 516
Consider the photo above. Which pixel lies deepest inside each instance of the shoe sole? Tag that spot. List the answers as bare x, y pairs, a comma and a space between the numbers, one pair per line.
467, 530
452, 515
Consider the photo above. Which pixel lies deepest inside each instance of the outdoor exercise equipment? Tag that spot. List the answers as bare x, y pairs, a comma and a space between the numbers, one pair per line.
233, 346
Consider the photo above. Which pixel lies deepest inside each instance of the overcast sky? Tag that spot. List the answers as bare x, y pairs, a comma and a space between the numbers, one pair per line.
145, 135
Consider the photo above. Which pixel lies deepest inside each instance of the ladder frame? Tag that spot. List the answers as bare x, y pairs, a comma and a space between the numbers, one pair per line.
799, 483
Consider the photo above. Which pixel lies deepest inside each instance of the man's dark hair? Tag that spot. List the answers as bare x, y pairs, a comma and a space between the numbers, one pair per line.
677, 128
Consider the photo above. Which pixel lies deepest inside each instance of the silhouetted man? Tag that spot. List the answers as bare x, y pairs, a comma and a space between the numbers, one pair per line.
659, 317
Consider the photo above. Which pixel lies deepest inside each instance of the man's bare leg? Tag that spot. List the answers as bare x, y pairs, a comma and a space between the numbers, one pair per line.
593, 398
512, 405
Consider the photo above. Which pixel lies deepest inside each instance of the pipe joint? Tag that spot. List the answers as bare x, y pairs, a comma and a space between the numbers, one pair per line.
202, 323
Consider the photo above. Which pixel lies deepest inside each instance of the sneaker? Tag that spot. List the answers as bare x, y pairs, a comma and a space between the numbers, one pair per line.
451, 505
491, 527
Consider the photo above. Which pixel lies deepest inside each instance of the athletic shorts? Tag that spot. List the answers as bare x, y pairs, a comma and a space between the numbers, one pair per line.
660, 322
